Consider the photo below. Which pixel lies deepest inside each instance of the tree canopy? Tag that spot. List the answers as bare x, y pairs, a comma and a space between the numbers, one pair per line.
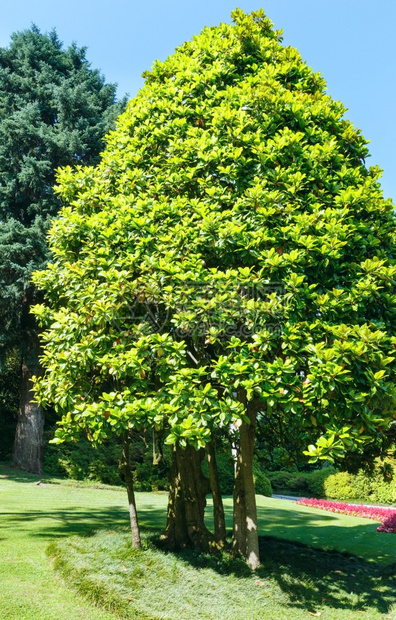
230, 258
54, 110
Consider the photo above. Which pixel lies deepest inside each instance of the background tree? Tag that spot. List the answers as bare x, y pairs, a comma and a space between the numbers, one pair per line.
230, 259
54, 110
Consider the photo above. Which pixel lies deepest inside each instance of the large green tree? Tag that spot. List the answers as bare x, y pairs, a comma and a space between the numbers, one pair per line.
54, 110
231, 258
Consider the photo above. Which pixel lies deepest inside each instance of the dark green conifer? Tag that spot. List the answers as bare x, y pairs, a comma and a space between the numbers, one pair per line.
54, 110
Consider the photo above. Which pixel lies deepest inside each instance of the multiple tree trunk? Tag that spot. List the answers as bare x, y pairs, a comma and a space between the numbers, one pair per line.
187, 498
188, 486
187, 501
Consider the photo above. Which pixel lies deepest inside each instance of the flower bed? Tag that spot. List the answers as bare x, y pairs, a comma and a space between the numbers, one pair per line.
386, 515
389, 525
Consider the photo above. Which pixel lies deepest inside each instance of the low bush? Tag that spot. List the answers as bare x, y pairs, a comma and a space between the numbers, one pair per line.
316, 480
283, 480
340, 486
261, 482
378, 486
300, 483
80, 461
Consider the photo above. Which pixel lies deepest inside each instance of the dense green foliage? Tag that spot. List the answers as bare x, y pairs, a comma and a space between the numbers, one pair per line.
9, 388
376, 486
310, 484
230, 169
54, 110
230, 260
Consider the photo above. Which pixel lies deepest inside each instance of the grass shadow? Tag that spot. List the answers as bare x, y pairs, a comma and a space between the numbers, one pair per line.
311, 576
73, 521
19, 475
308, 577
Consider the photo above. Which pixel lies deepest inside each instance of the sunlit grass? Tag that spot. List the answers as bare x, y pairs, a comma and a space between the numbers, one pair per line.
295, 579
152, 584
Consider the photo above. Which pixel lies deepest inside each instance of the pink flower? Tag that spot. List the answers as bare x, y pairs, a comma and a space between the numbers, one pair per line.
387, 515
389, 525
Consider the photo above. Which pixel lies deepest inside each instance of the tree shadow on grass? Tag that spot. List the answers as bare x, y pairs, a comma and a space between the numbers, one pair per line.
19, 475
310, 578
321, 529
74, 521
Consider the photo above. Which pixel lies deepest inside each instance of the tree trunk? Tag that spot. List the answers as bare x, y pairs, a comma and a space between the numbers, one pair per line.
239, 510
176, 534
245, 532
187, 501
29, 436
126, 470
218, 508
246, 448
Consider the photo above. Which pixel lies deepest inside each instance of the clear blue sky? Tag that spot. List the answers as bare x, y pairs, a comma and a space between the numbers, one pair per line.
351, 42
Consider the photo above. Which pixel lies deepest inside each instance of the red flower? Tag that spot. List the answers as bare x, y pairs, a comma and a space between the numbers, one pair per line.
387, 515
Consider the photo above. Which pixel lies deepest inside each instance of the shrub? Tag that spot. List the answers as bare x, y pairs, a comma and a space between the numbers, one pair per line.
316, 481
373, 487
340, 486
281, 480
261, 482
298, 483
384, 492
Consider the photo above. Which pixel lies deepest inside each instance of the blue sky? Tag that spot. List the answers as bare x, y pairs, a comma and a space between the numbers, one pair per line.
351, 42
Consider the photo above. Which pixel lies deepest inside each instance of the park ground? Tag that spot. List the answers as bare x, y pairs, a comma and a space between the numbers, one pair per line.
64, 547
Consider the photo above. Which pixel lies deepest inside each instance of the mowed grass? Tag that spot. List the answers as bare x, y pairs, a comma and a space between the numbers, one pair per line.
31, 517
306, 569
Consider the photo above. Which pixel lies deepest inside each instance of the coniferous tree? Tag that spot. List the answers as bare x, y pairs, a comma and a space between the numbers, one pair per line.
54, 110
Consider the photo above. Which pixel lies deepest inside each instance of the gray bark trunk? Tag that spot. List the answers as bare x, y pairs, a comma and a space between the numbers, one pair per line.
126, 470
218, 508
246, 447
29, 435
239, 512
187, 500
245, 531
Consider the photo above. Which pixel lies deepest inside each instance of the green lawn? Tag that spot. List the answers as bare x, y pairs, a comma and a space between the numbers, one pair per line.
297, 576
326, 530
